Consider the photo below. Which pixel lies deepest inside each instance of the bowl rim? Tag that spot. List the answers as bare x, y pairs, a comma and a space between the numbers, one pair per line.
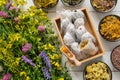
46, 8
108, 68
73, 5
111, 56
100, 27
104, 11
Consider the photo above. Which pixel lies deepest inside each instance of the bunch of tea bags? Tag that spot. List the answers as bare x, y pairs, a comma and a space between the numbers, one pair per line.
75, 35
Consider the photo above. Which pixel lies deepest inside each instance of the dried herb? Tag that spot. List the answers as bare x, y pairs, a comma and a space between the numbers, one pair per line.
115, 57
45, 3
110, 27
103, 5
72, 2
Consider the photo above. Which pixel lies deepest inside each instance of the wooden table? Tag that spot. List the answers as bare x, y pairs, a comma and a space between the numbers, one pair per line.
77, 72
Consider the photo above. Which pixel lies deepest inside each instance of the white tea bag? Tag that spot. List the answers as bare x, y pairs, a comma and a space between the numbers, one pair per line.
79, 32
67, 13
68, 39
75, 48
88, 35
64, 23
88, 47
79, 22
71, 29
78, 14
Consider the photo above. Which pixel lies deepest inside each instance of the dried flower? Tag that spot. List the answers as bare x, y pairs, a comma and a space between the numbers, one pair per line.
13, 8
46, 59
26, 60
41, 28
6, 76
4, 14
26, 47
46, 73
8, 5
16, 19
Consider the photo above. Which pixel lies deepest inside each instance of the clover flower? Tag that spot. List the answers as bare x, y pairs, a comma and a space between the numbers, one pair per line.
46, 73
8, 5
6, 76
26, 60
16, 19
13, 8
46, 59
41, 28
4, 14
26, 47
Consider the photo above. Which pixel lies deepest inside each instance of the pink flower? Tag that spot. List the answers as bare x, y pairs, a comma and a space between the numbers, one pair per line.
26, 47
4, 14
41, 28
13, 8
16, 19
6, 76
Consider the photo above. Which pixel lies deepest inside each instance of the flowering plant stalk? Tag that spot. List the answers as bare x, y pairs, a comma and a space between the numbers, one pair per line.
29, 49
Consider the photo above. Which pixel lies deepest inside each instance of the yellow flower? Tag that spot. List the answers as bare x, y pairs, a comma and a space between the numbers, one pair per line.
61, 79
45, 47
52, 56
57, 64
32, 14
2, 2
27, 78
22, 2
32, 8
23, 73
16, 63
51, 47
9, 45
36, 21
4, 50
14, 37
17, 36
57, 56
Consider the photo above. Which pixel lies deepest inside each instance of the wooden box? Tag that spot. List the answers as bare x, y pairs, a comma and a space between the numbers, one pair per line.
90, 27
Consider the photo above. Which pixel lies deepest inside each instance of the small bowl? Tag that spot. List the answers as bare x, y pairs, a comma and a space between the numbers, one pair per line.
103, 5
115, 57
98, 72
49, 6
73, 3
109, 28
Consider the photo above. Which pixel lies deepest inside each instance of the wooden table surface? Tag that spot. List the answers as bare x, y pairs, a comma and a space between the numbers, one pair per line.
77, 72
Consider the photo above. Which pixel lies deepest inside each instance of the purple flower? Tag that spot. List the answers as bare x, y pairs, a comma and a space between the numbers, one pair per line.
46, 59
26, 60
13, 8
46, 73
41, 28
6, 76
16, 19
8, 5
26, 47
4, 14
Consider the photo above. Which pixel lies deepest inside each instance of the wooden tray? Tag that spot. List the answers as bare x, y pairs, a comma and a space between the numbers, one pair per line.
90, 27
